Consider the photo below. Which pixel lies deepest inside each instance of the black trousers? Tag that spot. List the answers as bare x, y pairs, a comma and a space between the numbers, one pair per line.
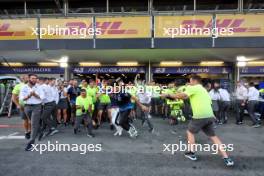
224, 106
239, 110
124, 119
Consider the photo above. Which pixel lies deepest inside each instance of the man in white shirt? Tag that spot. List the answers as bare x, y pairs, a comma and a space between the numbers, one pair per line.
144, 97
215, 96
33, 96
49, 109
225, 103
253, 97
241, 97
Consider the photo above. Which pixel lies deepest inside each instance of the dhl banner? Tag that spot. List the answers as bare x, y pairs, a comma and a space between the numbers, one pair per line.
20, 29
183, 26
242, 25
70, 28
124, 27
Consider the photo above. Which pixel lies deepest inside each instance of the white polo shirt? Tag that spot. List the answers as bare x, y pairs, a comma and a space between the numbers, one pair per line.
26, 90
253, 94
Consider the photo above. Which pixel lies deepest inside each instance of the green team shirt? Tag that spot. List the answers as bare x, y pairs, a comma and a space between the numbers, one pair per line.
168, 91
85, 102
92, 92
104, 98
16, 91
200, 100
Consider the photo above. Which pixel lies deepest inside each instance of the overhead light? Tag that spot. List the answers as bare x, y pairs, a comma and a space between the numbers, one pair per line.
64, 59
255, 63
170, 63
132, 63
48, 64
241, 58
64, 65
12, 64
241, 64
89, 64
211, 63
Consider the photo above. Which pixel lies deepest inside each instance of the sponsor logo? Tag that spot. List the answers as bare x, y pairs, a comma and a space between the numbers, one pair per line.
5, 32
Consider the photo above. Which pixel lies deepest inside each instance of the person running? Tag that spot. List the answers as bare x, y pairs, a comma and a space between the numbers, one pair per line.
125, 106
20, 105
84, 105
202, 117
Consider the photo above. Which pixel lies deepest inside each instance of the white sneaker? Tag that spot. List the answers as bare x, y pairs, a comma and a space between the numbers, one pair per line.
132, 132
118, 131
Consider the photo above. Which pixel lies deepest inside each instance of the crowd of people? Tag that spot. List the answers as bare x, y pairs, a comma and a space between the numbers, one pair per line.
46, 103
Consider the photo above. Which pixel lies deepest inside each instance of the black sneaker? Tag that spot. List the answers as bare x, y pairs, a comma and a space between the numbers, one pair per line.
191, 156
41, 134
75, 131
48, 133
239, 123
151, 130
29, 146
90, 135
112, 127
53, 131
228, 162
27, 135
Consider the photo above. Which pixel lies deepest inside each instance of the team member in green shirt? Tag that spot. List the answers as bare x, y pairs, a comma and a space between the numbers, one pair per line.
84, 105
202, 119
20, 105
104, 104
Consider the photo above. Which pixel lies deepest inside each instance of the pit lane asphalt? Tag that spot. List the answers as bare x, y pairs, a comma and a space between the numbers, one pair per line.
122, 156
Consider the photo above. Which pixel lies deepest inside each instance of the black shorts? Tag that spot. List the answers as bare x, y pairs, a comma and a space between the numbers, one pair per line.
23, 115
104, 106
156, 101
206, 125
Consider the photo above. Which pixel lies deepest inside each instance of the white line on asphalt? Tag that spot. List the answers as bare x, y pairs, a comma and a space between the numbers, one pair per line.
12, 136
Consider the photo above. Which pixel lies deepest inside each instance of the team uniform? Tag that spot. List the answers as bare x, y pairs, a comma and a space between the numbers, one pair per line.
203, 115
145, 99
49, 111
84, 114
123, 120
33, 107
